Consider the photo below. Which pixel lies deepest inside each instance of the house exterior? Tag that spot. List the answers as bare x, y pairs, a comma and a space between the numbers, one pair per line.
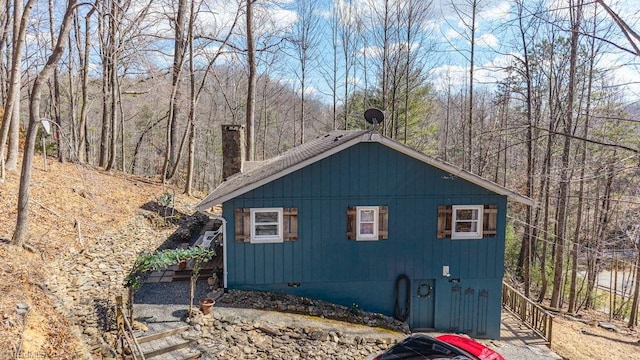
356, 218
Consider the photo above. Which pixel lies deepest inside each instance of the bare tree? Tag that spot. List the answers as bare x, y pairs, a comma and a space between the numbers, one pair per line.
347, 33
54, 85
10, 123
22, 222
563, 192
83, 54
525, 250
634, 233
305, 40
175, 106
251, 84
5, 24
467, 18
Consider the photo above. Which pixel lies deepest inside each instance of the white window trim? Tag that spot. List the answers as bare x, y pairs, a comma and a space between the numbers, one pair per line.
266, 239
471, 234
367, 237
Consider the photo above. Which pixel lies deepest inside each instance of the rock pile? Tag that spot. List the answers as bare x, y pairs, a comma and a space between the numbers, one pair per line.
231, 337
306, 306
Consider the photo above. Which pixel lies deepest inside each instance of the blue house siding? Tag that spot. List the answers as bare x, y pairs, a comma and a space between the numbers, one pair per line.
328, 266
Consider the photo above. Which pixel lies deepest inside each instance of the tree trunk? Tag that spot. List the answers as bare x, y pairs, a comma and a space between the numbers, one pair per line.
22, 222
106, 56
73, 120
251, 84
11, 122
192, 104
55, 94
563, 192
469, 144
114, 15
525, 248
384, 68
175, 106
633, 317
83, 146
545, 189
5, 23
583, 164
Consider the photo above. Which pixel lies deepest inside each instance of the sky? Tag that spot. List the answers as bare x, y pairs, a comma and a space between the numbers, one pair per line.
495, 47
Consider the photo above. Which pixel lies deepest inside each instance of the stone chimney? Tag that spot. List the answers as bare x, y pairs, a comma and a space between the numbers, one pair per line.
232, 150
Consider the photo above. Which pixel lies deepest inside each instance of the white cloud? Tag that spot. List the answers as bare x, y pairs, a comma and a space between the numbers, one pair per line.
274, 20
499, 10
488, 40
446, 76
371, 51
452, 34
457, 76
354, 80
310, 91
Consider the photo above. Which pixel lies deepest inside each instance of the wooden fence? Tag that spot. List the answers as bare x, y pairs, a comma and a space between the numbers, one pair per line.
126, 338
532, 314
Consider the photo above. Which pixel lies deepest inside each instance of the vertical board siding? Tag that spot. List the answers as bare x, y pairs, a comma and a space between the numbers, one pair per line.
329, 266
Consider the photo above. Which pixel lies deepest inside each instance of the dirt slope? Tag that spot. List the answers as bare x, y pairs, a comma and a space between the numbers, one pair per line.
577, 340
70, 207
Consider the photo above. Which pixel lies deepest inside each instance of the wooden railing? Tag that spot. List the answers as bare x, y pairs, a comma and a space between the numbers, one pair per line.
532, 314
125, 332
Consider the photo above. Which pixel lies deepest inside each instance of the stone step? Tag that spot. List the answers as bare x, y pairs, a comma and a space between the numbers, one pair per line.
166, 349
160, 335
169, 345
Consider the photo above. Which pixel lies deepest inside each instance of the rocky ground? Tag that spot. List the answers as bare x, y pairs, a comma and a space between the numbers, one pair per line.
87, 282
234, 331
306, 306
225, 334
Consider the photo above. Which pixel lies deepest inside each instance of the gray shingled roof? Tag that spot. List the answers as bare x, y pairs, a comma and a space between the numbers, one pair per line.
263, 172
275, 165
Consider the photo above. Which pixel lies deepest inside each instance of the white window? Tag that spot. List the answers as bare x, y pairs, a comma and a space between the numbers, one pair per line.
266, 225
367, 223
466, 222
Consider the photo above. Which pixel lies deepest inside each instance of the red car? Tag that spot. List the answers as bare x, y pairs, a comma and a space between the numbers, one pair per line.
420, 346
470, 346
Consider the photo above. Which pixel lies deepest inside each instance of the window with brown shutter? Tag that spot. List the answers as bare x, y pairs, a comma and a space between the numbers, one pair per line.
266, 225
445, 221
490, 219
243, 225
367, 223
290, 224
351, 223
383, 223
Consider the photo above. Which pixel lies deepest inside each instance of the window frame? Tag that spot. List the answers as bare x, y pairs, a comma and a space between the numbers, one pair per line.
376, 218
267, 239
464, 235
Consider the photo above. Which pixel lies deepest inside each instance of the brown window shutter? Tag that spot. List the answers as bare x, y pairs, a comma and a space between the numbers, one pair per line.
351, 223
490, 220
445, 218
290, 224
243, 225
383, 222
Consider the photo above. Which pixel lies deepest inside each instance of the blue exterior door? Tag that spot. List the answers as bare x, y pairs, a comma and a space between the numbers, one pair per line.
422, 304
